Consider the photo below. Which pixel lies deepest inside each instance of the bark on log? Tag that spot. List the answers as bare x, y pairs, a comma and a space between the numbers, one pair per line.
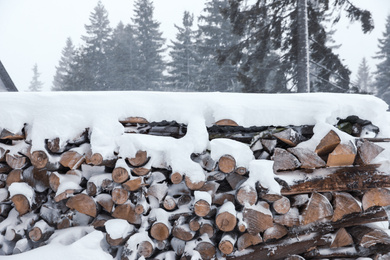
376, 197
258, 217
341, 179
83, 204
366, 236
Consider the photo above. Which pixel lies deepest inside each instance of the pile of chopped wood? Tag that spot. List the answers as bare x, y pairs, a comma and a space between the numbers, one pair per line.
328, 201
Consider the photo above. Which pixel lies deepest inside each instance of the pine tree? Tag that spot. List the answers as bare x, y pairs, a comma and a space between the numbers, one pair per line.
63, 68
35, 83
382, 74
123, 59
215, 36
279, 30
364, 79
150, 42
184, 68
92, 58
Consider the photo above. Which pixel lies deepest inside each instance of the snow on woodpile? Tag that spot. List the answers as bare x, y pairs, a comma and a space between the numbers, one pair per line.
202, 175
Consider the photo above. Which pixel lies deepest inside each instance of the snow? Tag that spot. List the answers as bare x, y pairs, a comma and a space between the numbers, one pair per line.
118, 228
3, 194
240, 151
262, 171
227, 207
202, 195
23, 189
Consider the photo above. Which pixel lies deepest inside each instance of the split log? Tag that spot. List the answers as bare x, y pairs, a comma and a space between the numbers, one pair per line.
39, 159
54, 181
141, 171
276, 232
376, 197
7, 135
366, 236
284, 161
344, 204
289, 137
269, 145
227, 163
227, 242
38, 179
307, 158
340, 179
72, 159
14, 176
299, 200
119, 195
342, 155
342, 239
127, 212
158, 191
235, 180
140, 159
246, 240
318, 208
367, 151
282, 205
257, 217
202, 205
133, 184
328, 143
83, 204
226, 217
40, 232
16, 161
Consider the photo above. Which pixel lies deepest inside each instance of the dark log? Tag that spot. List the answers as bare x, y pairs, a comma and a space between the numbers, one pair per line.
366, 236
276, 232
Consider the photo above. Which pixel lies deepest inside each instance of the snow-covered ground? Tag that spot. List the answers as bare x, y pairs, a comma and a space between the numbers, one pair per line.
65, 115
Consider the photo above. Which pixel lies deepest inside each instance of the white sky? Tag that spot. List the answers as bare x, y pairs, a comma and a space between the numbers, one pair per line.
35, 31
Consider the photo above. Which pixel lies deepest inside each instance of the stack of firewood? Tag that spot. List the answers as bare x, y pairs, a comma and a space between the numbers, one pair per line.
325, 211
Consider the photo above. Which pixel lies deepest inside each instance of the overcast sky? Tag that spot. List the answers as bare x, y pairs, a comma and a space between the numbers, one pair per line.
35, 31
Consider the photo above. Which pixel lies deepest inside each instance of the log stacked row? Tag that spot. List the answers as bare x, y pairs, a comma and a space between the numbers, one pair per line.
164, 215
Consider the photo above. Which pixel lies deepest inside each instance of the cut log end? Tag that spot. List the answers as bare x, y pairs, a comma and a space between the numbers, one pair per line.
96, 159
22, 205
120, 175
159, 231
176, 177
39, 159
83, 204
202, 208
227, 163
141, 158
226, 122
226, 221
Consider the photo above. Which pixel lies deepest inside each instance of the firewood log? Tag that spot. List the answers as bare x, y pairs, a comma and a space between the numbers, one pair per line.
139, 245
21, 246
142, 206
161, 228
169, 203
193, 185
13, 233
344, 204
342, 238
145, 249
282, 205
39, 159
178, 246
226, 163
72, 159
276, 232
40, 232
83, 204
141, 171
134, 184
211, 187
205, 248
119, 195
366, 236
235, 180
227, 242
289, 136
127, 211
121, 172
118, 231
16, 161
246, 240
22, 204
284, 160
342, 155
7, 135
328, 143
367, 151
202, 203
158, 190
140, 159
194, 223
318, 208
134, 120
309, 159
98, 183
105, 201
226, 122
207, 228
241, 225
246, 193
241, 170
290, 219
226, 217
181, 230
376, 197
38, 179
257, 217
14, 176
340, 179
294, 257
176, 177
299, 200
3, 152
220, 198
100, 220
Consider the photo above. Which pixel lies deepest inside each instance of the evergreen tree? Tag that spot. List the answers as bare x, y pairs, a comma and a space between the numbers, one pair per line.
150, 42
123, 60
215, 36
279, 32
35, 83
364, 79
63, 68
382, 74
184, 68
89, 70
